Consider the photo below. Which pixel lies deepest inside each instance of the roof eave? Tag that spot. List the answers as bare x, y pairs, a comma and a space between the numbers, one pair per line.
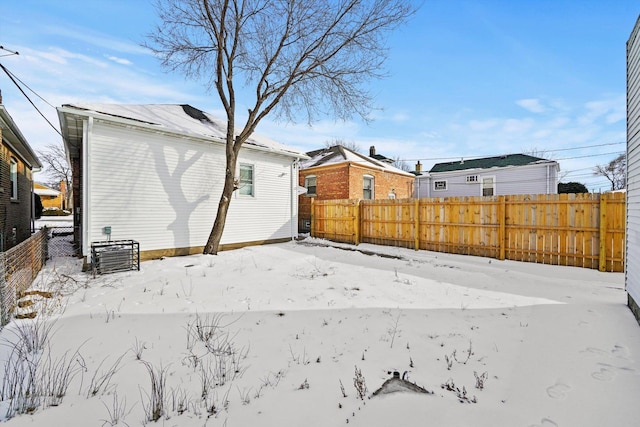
19, 142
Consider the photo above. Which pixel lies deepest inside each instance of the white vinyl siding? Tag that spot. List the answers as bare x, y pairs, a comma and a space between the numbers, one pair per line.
163, 191
529, 179
632, 253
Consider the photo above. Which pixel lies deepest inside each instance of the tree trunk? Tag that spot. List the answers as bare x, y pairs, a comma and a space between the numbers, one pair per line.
213, 242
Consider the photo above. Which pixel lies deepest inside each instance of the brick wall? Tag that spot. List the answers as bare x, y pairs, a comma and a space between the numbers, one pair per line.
15, 214
345, 181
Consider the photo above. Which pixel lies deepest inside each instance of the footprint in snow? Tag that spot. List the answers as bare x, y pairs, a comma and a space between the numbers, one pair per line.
558, 390
545, 422
608, 372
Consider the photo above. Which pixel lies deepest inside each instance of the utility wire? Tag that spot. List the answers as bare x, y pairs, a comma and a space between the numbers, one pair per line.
498, 155
11, 76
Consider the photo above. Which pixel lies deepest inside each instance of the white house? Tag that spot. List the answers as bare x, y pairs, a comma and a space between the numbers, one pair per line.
632, 252
154, 174
490, 176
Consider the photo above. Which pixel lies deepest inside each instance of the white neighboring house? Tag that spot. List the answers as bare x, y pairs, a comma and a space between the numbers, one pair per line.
490, 176
632, 252
155, 173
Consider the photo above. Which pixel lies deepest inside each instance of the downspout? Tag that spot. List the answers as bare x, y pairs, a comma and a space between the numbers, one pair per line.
33, 199
86, 194
293, 182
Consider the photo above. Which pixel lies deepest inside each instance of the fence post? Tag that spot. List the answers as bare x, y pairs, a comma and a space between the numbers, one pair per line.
356, 222
502, 218
416, 228
602, 256
313, 222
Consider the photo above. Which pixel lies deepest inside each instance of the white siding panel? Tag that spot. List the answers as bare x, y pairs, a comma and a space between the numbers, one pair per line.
530, 179
164, 192
632, 263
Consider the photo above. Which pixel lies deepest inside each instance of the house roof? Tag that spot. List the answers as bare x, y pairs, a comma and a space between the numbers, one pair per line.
180, 119
43, 190
12, 135
489, 162
339, 154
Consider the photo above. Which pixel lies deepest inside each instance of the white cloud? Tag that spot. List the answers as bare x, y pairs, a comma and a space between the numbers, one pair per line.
610, 109
532, 105
117, 60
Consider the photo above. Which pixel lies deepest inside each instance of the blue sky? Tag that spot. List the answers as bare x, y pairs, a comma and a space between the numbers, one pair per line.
464, 78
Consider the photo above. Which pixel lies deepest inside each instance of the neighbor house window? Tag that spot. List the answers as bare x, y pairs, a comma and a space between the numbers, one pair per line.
246, 184
367, 187
13, 173
310, 185
440, 185
488, 186
472, 178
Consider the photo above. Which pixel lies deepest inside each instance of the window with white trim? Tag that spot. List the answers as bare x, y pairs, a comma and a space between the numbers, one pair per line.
246, 184
439, 185
472, 178
310, 185
13, 174
488, 186
367, 187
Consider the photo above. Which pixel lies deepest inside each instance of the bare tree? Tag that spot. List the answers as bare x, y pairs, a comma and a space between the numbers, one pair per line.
351, 145
54, 159
296, 57
401, 164
541, 153
615, 171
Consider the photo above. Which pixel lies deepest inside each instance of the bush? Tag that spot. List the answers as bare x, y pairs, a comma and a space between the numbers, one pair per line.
55, 212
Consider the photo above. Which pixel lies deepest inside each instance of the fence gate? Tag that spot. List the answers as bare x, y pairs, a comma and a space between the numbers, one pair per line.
60, 242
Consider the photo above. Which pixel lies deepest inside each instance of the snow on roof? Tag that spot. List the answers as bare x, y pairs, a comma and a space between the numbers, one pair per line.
339, 154
183, 119
46, 192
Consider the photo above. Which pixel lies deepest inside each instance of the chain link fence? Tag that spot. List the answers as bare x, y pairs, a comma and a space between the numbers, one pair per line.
60, 242
19, 267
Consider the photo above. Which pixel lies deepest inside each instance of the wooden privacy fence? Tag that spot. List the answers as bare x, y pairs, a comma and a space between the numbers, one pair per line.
582, 230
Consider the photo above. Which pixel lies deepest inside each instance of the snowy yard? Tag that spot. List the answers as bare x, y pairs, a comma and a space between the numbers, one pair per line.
281, 335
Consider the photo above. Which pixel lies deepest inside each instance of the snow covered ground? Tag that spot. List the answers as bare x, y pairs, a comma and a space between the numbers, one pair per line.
281, 335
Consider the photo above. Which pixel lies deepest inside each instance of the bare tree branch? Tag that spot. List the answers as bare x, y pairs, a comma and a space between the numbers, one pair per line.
615, 172
54, 159
300, 59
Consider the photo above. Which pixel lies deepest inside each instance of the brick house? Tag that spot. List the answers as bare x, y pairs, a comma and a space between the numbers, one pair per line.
17, 164
339, 173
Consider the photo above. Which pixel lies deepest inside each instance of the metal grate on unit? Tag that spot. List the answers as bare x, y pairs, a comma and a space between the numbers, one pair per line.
115, 255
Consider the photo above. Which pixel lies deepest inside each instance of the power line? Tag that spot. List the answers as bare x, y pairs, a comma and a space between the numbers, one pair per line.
13, 79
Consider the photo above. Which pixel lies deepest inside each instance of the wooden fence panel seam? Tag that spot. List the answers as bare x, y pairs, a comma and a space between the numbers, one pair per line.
584, 230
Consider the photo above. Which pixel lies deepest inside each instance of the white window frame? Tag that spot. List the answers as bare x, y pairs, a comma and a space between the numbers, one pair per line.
493, 187
13, 173
242, 184
472, 179
371, 179
443, 188
315, 186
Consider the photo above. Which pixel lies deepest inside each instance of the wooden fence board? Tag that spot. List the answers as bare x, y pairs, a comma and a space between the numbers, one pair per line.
583, 230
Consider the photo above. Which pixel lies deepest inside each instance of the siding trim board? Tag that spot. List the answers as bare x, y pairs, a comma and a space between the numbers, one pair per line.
632, 252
